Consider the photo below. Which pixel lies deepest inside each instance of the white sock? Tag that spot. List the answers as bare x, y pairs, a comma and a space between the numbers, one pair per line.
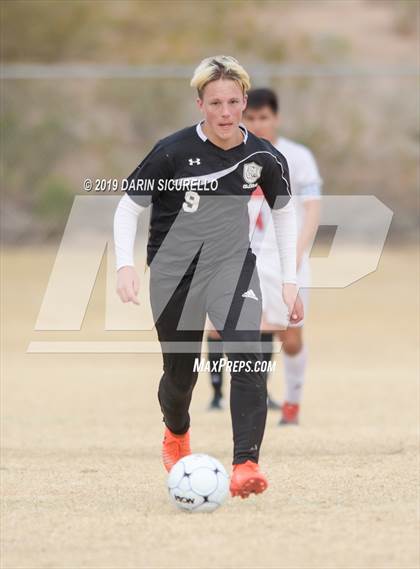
294, 375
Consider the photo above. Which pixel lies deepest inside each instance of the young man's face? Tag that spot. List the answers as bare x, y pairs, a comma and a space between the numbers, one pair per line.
222, 104
262, 122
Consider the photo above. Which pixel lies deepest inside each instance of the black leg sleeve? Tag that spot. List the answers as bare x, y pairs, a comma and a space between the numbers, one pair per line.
179, 378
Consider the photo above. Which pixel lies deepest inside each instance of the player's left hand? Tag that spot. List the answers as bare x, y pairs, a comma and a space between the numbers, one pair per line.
293, 302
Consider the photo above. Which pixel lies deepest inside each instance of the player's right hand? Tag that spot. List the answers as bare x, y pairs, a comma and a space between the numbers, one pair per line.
128, 284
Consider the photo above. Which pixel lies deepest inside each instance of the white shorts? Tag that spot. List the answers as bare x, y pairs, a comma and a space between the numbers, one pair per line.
274, 309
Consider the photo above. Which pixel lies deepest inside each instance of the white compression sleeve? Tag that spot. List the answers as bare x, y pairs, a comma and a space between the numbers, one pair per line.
125, 229
284, 221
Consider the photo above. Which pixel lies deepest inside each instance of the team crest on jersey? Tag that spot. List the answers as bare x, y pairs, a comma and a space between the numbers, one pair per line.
252, 172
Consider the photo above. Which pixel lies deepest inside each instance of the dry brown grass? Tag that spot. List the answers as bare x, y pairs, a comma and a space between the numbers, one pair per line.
82, 480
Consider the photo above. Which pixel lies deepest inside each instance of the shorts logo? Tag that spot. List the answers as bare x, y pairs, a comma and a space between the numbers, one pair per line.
252, 172
250, 294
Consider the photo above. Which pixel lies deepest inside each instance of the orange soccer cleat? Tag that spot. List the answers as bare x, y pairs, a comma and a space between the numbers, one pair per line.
290, 414
247, 479
174, 447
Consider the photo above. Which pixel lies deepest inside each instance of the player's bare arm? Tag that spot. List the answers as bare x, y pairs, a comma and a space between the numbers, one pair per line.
311, 213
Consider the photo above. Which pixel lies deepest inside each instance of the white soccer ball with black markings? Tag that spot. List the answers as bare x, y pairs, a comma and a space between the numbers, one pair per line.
198, 483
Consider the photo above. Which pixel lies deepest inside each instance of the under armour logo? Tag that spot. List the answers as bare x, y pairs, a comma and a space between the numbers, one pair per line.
192, 161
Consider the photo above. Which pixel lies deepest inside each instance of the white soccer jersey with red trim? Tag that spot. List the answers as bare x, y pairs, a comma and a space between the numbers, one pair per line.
305, 182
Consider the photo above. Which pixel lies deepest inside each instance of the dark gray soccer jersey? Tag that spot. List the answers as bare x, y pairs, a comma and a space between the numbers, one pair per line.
199, 193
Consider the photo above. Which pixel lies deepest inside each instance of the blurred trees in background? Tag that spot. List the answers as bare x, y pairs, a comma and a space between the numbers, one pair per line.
364, 130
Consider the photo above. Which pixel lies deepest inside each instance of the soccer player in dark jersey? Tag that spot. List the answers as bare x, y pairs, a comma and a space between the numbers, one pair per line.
198, 182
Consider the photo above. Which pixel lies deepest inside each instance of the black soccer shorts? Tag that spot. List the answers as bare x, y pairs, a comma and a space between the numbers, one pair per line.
230, 294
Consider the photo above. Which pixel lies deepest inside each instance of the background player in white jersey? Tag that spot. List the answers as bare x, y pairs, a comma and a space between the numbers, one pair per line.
263, 119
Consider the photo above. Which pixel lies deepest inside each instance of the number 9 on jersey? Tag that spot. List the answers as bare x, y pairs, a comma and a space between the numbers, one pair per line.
192, 199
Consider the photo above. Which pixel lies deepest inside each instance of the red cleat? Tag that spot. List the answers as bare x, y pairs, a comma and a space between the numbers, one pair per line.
247, 479
290, 414
174, 447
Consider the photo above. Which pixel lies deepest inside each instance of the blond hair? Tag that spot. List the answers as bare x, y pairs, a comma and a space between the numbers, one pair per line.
220, 67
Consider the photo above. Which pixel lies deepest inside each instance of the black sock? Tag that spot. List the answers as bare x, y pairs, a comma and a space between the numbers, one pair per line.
215, 354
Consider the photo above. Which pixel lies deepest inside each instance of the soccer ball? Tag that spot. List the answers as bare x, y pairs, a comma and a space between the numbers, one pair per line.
198, 483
